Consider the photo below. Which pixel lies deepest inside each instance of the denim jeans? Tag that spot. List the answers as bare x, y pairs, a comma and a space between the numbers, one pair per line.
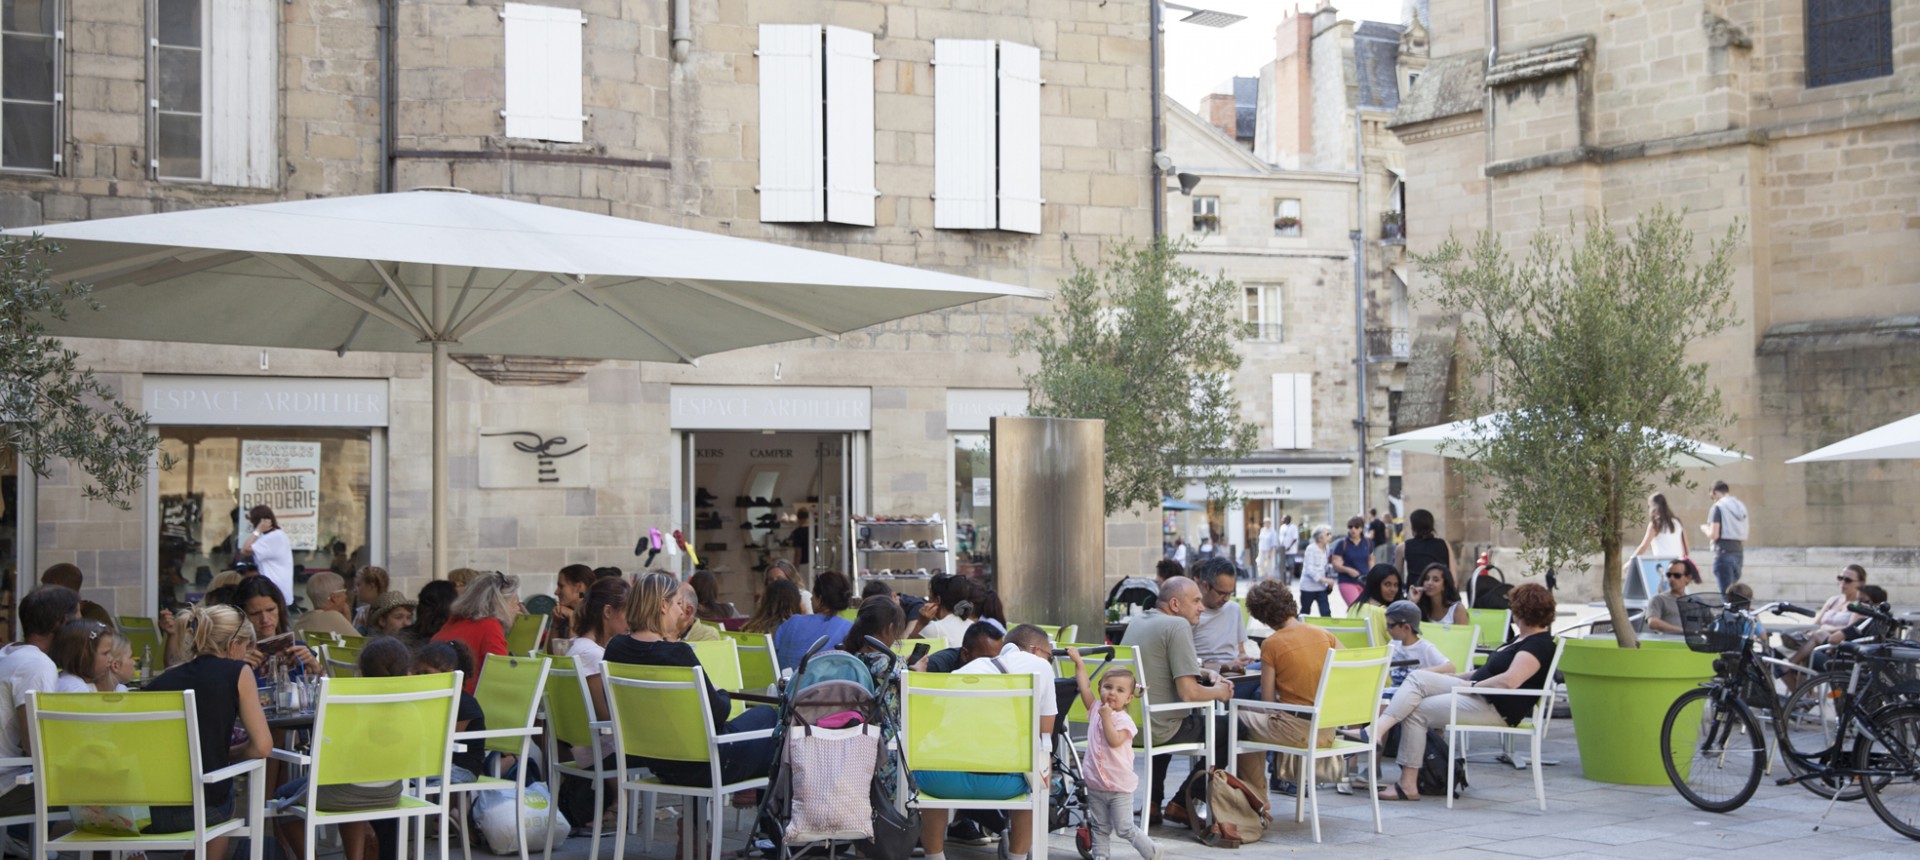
1111, 814
1316, 598
1727, 567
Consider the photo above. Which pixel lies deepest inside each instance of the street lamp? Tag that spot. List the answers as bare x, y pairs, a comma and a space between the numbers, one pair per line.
1197, 17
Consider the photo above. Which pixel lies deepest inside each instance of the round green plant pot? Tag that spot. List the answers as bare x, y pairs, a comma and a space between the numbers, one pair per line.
1620, 696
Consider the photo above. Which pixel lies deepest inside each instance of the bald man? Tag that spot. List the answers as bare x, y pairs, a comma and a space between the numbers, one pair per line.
1163, 639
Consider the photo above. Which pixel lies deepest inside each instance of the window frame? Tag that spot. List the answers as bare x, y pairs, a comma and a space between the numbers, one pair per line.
56, 130
1882, 66
1261, 313
1203, 211
154, 110
1299, 227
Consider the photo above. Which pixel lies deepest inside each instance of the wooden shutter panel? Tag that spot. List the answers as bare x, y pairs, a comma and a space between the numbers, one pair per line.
963, 133
1019, 138
543, 73
850, 186
792, 179
242, 110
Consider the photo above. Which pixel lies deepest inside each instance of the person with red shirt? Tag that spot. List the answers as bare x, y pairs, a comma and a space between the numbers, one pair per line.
480, 617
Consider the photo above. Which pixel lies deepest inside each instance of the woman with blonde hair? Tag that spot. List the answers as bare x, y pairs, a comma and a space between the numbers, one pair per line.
225, 694
368, 585
461, 577
480, 617
656, 613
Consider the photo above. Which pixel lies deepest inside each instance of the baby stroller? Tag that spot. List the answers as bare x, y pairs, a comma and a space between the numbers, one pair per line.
1067, 787
831, 783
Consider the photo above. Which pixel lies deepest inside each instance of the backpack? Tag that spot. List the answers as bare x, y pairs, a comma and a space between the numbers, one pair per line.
1432, 778
1223, 811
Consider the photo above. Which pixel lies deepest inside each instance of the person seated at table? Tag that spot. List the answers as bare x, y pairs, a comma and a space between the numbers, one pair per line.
654, 611
1029, 651
1867, 627
391, 615
694, 630
440, 658
480, 617
1220, 636
569, 588
782, 569
982, 640
1403, 627
947, 612
987, 607
781, 602
1663, 609
368, 584
93, 658
1437, 596
1291, 661
226, 695
431, 612
381, 657
259, 598
327, 592
1382, 587
706, 591
1426, 698
831, 594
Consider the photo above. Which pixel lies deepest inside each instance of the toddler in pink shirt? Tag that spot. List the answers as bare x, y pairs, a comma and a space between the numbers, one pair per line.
1109, 763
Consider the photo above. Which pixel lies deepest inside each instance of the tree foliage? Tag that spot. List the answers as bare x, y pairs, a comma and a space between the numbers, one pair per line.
52, 406
1582, 345
1145, 344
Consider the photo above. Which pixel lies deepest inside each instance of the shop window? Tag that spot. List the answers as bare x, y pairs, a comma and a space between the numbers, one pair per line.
1206, 214
29, 85
317, 480
972, 538
214, 111
1262, 312
1848, 40
1286, 217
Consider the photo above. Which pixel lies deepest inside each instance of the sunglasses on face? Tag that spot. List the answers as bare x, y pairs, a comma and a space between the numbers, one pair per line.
1844, 579
1676, 576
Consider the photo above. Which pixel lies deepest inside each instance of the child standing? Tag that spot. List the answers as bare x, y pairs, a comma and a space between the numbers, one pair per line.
1109, 764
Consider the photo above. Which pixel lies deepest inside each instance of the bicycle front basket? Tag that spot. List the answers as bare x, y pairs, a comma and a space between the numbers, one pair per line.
1711, 628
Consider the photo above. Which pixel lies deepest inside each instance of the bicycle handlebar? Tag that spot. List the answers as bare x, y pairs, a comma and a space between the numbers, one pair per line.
1861, 607
1790, 609
1101, 651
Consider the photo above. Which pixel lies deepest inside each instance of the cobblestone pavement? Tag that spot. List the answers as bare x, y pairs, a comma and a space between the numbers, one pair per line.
1498, 817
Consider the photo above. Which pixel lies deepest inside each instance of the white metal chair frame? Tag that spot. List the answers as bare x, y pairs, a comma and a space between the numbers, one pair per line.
525, 730
1534, 728
716, 792
558, 760
1036, 797
1202, 749
248, 821
1309, 795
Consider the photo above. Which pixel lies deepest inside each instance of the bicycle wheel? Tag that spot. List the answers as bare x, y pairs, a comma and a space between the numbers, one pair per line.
1713, 749
1810, 734
1895, 752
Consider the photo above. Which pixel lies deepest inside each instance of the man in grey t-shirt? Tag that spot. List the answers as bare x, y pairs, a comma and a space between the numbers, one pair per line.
1727, 528
1162, 640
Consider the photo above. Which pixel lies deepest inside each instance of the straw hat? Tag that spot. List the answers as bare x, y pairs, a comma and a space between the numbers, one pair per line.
387, 603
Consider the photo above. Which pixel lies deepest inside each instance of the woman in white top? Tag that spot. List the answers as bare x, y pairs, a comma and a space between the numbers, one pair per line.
1313, 573
93, 658
1834, 614
1665, 537
600, 616
270, 550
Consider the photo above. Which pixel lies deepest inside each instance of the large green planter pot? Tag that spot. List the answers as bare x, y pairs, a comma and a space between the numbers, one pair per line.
1620, 697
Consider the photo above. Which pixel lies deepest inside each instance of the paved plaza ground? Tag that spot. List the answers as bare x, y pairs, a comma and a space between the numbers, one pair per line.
1498, 818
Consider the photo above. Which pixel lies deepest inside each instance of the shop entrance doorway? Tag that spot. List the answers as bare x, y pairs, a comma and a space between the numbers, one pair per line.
760, 497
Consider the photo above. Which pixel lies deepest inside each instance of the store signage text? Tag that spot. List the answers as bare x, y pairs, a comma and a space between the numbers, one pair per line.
754, 407
265, 401
284, 476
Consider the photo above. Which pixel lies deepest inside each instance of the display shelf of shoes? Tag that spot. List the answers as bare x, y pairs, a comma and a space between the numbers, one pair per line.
877, 538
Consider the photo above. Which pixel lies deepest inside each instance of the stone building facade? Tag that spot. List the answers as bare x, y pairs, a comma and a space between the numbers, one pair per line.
668, 129
1788, 118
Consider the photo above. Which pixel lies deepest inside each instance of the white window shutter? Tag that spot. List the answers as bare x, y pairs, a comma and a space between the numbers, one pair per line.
242, 111
963, 133
1019, 138
850, 185
1292, 410
543, 73
792, 180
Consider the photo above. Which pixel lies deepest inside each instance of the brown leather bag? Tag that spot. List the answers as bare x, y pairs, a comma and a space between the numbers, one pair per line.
1224, 812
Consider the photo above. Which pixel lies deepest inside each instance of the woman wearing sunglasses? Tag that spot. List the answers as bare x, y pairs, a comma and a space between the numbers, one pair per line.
1663, 609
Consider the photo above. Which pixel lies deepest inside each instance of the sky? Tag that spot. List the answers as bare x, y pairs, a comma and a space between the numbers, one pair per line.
1199, 59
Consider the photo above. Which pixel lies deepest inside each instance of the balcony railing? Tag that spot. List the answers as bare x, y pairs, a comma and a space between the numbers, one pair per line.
1260, 331
1389, 344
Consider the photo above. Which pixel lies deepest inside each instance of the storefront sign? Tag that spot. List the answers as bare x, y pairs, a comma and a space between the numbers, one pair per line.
1282, 470
971, 409
514, 457
250, 401
1269, 488
983, 492
770, 407
284, 476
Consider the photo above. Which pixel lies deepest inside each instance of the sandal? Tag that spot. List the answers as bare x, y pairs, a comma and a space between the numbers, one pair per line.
1398, 793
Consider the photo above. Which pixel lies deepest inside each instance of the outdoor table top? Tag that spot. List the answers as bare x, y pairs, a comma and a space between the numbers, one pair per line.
279, 720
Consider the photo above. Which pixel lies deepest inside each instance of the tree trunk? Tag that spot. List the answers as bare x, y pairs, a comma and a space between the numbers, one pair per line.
1612, 584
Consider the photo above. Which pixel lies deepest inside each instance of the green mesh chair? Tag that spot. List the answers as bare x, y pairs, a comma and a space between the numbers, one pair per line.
1376, 620
509, 694
354, 642
1533, 728
129, 749
1456, 641
571, 722
145, 637
318, 639
1348, 695
759, 663
376, 730
341, 661
1056, 633
525, 634
986, 724
1494, 624
660, 712
721, 659
1352, 632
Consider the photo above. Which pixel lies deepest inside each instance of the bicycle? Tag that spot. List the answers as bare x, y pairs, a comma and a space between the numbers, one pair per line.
1727, 748
1811, 725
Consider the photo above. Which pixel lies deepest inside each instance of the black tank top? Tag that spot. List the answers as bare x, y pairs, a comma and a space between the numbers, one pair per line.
215, 683
1421, 552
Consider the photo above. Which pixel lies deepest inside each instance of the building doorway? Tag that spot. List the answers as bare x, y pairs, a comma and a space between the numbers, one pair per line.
758, 497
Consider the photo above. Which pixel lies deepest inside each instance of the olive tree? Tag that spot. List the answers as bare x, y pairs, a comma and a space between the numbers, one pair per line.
1581, 344
1146, 344
51, 406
